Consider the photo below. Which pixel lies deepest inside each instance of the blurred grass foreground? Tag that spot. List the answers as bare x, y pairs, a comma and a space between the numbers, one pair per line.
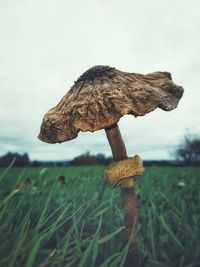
69, 216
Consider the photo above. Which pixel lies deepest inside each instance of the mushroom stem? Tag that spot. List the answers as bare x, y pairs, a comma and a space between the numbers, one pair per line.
129, 201
116, 142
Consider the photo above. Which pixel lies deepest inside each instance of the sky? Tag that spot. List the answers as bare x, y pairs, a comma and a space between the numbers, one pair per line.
46, 45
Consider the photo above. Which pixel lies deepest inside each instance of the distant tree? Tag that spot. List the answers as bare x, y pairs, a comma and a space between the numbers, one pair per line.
88, 159
36, 163
20, 160
189, 151
101, 158
85, 159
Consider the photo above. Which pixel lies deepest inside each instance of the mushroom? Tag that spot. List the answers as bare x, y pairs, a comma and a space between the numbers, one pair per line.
97, 100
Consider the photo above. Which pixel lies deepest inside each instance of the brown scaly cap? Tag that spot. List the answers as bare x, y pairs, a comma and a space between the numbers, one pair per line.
102, 95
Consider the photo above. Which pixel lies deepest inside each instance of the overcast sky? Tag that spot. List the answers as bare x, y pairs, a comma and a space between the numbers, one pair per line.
46, 45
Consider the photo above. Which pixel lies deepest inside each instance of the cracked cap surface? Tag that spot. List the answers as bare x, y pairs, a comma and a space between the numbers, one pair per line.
102, 95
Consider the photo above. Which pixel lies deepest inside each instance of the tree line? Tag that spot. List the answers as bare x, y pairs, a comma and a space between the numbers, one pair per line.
187, 154
22, 160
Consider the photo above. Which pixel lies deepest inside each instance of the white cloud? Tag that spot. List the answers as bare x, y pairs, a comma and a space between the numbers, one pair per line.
46, 45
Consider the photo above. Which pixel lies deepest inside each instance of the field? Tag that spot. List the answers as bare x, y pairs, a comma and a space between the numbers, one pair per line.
46, 223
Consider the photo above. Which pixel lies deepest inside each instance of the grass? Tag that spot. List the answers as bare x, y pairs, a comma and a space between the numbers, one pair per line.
78, 224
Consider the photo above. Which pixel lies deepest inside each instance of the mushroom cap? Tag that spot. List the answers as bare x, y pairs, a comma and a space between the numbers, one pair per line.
102, 95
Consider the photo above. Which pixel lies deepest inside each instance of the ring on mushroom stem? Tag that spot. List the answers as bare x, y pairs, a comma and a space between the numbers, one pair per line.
122, 173
117, 93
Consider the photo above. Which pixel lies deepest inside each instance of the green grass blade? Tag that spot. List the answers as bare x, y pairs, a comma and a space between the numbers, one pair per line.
7, 169
110, 236
33, 252
175, 239
15, 190
44, 210
18, 242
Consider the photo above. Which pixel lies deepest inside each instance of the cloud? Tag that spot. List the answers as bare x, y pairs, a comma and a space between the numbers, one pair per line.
46, 45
